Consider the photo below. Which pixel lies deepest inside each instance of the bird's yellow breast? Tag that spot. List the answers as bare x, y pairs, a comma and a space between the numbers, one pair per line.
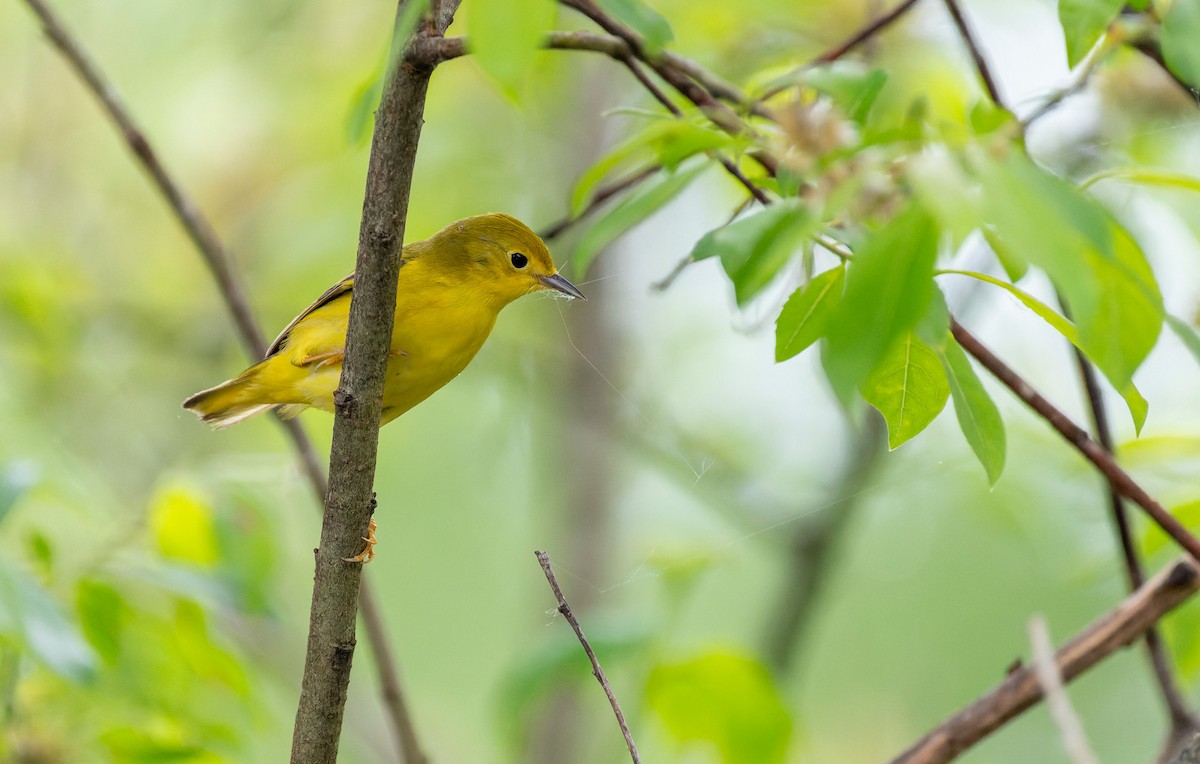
439, 327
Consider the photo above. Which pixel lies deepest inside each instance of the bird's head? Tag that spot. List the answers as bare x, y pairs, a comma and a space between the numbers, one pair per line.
499, 256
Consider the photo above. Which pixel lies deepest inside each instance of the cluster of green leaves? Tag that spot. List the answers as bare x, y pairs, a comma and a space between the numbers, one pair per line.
878, 312
117, 654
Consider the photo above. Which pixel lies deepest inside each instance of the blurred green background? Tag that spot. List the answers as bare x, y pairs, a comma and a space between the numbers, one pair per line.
155, 575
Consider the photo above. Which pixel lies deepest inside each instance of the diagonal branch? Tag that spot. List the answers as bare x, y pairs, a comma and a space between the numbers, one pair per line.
249, 332
1021, 689
981, 64
1076, 436
597, 671
862, 35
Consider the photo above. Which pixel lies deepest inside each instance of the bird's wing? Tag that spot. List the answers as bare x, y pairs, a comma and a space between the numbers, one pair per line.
345, 286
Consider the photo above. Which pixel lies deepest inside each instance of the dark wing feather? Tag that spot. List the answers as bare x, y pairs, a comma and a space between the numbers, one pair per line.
337, 290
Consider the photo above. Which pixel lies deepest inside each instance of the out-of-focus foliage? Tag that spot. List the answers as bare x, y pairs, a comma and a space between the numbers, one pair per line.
154, 575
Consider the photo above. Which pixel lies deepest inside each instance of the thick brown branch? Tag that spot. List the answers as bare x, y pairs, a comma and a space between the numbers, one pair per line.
1021, 689
358, 401
249, 331
1076, 436
597, 671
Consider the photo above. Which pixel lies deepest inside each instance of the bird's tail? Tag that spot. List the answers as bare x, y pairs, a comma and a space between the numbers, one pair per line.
230, 402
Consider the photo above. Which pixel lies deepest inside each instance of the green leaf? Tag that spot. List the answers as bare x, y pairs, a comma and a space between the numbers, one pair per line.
725, 699
1186, 333
1180, 31
851, 85
16, 478
31, 618
978, 417
1092, 260
753, 249
1083, 23
183, 525
1044, 311
1138, 407
360, 117
102, 614
1145, 175
806, 313
632, 210
1155, 539
888, 289
666, 141
506, 37
908, 387
646, 21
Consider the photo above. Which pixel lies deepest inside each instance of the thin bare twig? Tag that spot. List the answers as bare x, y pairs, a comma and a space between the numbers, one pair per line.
250, 333
597, 671
981, 64
1020, 690
1070, 728
1076, 436
862, 35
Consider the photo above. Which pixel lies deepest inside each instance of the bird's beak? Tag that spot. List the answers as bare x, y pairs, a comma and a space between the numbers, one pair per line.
559, 284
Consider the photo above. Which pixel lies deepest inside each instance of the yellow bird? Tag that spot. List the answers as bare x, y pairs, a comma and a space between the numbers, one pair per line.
451, 288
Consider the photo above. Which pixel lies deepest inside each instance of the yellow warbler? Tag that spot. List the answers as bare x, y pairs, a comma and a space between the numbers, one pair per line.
451, 288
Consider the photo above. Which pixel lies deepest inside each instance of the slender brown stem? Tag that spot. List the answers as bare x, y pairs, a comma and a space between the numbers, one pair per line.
1183, 721
862, 35
1020, 689
248, 330
597, 671
720, 114
1076, 436
981, 64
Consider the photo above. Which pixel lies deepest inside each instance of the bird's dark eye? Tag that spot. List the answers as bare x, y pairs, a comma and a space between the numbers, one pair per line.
519, 260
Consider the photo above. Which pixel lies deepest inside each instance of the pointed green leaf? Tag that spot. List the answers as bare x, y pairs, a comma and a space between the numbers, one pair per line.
632, 210
908, 387
506, 37
806, 313
646, 21
1138, 407
754, 248
1083, 23
666, 141
888, 289
978, 417
1180, 31
31, 618
725, 699
1091, 259
851, 85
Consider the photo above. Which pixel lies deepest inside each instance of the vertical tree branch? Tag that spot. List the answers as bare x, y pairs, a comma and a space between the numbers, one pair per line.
358, 401
1183, 722
248, 330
